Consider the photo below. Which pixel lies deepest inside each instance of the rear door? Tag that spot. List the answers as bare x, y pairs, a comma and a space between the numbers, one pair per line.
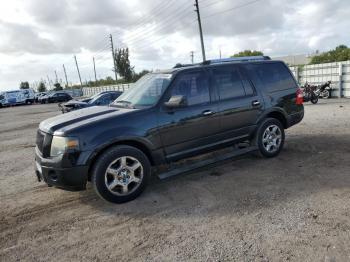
188, 130
239, 104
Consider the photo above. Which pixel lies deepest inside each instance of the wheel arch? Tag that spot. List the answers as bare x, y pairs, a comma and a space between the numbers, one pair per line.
128, 142
277, 114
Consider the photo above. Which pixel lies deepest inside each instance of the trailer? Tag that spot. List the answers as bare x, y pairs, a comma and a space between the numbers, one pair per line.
17, 97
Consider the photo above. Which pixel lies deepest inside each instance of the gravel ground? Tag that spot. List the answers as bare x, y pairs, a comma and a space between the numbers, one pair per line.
295, 207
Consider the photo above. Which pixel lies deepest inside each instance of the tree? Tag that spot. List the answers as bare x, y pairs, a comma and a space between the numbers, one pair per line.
137, 76
42, 87
24, 85
248, 53
122, 61
58, 87
340, 53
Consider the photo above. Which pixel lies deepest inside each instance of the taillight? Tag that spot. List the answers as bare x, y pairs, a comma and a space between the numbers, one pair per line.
300, 97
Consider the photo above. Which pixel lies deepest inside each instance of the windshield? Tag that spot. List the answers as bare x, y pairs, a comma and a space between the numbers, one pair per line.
145, 92
94, 98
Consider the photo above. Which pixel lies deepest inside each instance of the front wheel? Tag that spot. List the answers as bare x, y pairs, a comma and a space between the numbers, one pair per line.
326, 94
314, 99
121, 174
269, 137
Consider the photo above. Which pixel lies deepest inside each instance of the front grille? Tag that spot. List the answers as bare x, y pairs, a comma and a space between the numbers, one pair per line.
40, 140
43, 142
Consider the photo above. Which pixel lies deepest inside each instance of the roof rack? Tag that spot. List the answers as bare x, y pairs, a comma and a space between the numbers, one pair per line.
237, 59
227, 60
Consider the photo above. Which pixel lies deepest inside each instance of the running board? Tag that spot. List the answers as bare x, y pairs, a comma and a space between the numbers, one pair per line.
207, 162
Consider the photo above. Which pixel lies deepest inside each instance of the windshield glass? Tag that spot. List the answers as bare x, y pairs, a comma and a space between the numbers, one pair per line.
94, 98
145, 92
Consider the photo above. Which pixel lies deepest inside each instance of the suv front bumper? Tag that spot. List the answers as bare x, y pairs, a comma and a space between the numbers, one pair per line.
49, 170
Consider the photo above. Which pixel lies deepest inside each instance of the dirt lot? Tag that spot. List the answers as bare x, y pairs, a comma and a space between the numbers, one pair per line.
295, 207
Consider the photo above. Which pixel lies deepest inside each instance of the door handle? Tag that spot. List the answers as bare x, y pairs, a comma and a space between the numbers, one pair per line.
256, 103
208, 113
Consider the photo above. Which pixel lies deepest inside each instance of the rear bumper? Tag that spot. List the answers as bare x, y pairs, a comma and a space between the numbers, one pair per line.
295, 118
72, 178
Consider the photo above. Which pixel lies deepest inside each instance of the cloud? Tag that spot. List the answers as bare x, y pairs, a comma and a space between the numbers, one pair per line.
158, 33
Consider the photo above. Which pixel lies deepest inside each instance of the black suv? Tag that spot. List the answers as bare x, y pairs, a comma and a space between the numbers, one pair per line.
167, 116
56, 97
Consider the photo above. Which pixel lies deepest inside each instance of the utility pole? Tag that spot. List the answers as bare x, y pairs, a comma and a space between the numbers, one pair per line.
65, 74
200, 29
48, 79
220, 53
93, 59
56, 76
113, 55
76, 62
192, 56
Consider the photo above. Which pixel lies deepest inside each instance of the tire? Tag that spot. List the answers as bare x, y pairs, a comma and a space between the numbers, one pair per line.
326, 94
314, 100
262, 135
125, 184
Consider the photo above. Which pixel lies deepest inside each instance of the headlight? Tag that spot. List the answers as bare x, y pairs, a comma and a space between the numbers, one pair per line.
61, 145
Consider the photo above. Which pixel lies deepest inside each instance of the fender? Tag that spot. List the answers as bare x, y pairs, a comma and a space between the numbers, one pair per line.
273, 110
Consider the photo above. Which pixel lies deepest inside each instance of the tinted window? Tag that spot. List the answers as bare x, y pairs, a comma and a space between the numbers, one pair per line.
104, 100
114, 96
272, 76
228, 82
194, 86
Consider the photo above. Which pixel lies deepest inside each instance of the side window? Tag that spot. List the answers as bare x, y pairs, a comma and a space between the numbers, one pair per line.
114, 96
194, 86
228, 83
104, 100
273, 76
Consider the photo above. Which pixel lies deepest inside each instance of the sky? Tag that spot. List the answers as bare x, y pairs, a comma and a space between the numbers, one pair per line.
39, 36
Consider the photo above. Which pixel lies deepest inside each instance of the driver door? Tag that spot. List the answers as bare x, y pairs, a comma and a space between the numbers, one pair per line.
187, 130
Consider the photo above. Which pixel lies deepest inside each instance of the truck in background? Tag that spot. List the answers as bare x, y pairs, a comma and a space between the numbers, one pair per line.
17, 97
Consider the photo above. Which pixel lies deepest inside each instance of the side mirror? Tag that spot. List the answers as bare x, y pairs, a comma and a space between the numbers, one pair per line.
176, 102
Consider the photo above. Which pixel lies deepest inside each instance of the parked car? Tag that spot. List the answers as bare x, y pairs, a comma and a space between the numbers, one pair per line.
165, 117
17, 97
38, 95
101, 99
55, 98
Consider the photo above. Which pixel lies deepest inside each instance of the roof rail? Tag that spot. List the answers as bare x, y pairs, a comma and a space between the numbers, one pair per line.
227, 60
238, 59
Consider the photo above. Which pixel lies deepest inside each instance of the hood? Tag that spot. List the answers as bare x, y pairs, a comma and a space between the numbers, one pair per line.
73, 103
64, 123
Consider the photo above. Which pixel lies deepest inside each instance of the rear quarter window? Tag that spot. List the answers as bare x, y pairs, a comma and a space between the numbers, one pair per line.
271, 77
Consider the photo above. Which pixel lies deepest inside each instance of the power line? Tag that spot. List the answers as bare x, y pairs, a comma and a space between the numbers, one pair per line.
151, 14
231, 9
210, 4
163, 27
175, 16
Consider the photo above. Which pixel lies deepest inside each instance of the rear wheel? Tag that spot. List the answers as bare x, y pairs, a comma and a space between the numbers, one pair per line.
269, 137
121, 174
